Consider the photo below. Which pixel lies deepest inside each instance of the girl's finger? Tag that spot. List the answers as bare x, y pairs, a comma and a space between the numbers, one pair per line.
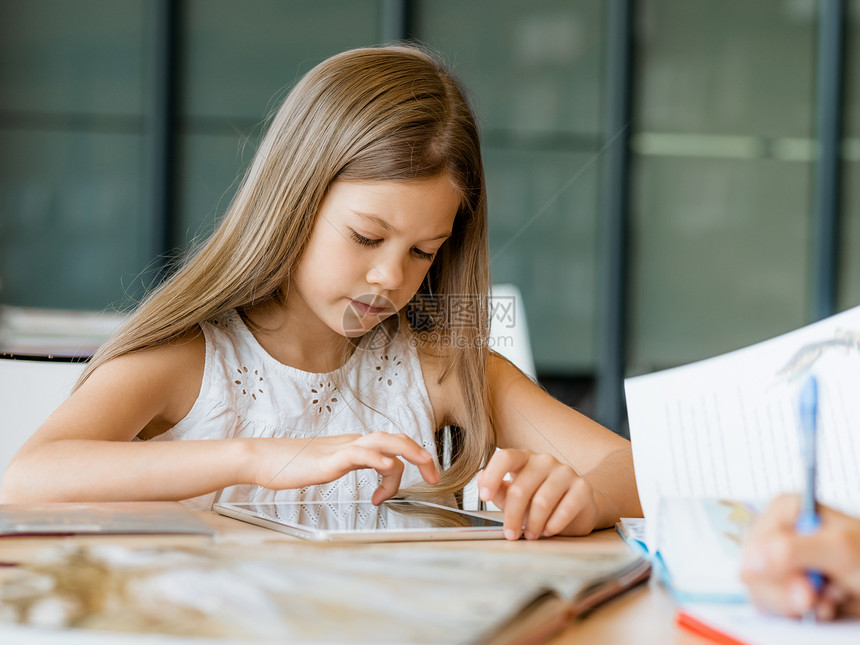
356, 456
500, 464
518, 497
390, 483
399, 445
545, 501
573, 512
501, 494
792, 596
781, 514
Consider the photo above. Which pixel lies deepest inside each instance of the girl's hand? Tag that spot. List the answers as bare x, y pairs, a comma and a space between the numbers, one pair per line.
544, 496
776, 559
293, 463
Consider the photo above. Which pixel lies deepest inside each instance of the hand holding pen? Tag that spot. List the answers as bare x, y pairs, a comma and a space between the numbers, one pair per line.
796, 544
777, 560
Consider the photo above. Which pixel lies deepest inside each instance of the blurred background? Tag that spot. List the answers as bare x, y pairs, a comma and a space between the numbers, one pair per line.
668, 179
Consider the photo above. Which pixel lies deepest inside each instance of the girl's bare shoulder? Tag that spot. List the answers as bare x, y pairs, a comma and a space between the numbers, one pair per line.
140, 393
164, 379
180, 355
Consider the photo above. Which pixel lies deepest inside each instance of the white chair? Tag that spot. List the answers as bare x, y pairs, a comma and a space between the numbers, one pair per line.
509, 331
29, 391
509, 336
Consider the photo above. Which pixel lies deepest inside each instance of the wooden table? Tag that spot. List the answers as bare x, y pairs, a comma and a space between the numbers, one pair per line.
644, 615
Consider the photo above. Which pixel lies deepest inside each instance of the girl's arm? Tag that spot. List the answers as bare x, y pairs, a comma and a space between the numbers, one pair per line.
569, 475
84, 452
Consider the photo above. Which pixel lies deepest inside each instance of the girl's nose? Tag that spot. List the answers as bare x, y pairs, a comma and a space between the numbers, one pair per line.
387, 272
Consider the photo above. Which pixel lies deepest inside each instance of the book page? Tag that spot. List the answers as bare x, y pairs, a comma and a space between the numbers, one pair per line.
743, 623
303, 592
700, 542
728, 426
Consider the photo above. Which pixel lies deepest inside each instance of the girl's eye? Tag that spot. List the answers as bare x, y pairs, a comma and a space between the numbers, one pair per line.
423, 255
364, 241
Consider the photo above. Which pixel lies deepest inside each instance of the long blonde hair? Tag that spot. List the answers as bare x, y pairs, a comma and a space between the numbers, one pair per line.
369, 114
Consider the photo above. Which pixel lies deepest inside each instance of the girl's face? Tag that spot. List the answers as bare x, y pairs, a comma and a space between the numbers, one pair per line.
369, 250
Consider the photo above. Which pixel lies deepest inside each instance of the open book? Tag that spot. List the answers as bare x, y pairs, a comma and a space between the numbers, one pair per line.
727, 427
380, 593
713, 441
698, 546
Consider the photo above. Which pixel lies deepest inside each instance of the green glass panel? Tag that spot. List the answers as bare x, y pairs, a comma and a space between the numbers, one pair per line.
849, 239
533, 67
535, 74
73, 231
722, 169
74, 227
720, 258
240, 54
72, 57
209, 178
241, 57
726, 66
543, 238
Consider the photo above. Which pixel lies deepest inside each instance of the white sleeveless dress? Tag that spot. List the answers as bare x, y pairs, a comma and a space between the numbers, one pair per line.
247, 393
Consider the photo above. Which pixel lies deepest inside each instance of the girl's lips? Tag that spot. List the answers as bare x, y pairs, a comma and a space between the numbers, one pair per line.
367, 310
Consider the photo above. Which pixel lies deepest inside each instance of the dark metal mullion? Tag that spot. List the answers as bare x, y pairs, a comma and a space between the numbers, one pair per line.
614, 231
827, 186
162, 131
397, 18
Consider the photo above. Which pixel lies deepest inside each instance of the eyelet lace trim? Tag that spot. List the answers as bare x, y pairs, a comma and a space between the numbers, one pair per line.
324, 396
387, 368
248, 382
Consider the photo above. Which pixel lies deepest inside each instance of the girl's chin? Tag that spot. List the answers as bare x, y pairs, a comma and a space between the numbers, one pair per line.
354, 333
356, 324
357, 331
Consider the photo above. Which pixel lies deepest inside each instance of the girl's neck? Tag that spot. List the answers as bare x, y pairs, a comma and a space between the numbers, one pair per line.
293, 342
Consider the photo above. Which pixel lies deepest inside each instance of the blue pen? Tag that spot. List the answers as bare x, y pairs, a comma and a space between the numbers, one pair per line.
808, 521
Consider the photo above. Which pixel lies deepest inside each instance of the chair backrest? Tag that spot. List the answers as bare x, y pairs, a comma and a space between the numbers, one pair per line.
509, 331
29, 391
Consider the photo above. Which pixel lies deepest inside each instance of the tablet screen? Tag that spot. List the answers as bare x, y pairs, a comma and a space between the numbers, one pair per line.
393, 519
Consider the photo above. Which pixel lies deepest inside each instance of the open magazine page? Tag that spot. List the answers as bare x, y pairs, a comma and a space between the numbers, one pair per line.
727, 427
309, 593
699, 543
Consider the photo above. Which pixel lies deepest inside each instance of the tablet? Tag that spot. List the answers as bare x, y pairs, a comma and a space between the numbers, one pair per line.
395, 520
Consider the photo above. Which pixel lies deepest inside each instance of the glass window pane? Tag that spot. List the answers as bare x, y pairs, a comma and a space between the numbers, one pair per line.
726, 66
72, 56
209, 178
241, 53
535, 71
73, 231
721, 256
544, 238
240, 59
533, 67
722, 169
849, 241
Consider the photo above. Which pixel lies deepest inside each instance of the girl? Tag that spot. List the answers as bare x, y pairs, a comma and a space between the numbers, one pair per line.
250, 373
